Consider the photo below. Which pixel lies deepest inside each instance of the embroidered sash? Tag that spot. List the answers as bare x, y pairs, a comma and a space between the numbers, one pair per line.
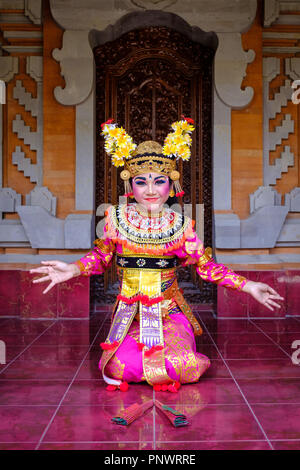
123, 318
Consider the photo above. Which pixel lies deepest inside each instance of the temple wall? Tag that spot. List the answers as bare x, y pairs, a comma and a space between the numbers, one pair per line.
276, 42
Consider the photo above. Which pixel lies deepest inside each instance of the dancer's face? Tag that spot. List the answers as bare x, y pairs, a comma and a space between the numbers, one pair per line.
151, 190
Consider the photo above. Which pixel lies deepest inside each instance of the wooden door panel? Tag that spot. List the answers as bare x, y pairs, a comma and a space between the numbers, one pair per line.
145, 80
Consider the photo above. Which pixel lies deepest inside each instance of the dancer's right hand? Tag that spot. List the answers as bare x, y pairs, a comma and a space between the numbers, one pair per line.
56, 272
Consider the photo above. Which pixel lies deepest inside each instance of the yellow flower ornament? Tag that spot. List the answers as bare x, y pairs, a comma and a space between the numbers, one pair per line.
149, 156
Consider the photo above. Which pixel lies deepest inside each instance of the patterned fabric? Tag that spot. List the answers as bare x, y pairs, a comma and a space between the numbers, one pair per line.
166, 284
193, 252
151, 262
152, 296
183, 363
97, 260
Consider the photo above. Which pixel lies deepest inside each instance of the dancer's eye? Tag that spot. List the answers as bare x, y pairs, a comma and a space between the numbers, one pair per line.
160, 181
140, 183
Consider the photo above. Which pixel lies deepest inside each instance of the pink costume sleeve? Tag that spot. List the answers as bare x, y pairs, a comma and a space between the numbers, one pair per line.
99, 259
193, 252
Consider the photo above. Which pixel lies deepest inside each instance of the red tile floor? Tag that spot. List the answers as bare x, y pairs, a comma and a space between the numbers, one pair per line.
52, 396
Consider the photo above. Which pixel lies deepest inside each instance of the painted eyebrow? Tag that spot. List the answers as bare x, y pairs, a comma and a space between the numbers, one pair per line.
141, 178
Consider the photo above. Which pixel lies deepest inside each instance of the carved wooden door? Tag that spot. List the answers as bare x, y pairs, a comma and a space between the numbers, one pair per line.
145, 80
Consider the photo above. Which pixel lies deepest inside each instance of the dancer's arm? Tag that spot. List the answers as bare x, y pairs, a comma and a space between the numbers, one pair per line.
56, 272
193, 252
94, 262
97, 260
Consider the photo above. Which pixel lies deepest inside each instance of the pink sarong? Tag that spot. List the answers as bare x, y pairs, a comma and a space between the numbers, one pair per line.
183, 363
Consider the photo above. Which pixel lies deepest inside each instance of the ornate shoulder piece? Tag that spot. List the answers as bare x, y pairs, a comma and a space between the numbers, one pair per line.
111, 225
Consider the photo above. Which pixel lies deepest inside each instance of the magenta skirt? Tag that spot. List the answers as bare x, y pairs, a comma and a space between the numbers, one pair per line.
183, 363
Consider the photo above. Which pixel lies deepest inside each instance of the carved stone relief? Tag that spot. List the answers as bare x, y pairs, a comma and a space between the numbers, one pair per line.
75, 56
230, 69
32, 138
226, 20
272, 9
152, 4
33, 10
266, 196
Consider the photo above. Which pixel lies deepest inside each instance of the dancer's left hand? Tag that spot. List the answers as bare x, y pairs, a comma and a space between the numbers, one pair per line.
263, 293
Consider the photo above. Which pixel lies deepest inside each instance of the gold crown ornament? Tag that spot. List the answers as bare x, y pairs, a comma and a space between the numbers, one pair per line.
149, 155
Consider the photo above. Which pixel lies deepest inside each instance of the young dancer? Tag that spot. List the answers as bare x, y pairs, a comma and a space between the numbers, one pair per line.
152, 336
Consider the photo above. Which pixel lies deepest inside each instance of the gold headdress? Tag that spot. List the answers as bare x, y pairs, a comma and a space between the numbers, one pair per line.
149, 155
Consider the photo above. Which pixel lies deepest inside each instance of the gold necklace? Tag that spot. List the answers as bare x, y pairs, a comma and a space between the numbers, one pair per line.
145, 212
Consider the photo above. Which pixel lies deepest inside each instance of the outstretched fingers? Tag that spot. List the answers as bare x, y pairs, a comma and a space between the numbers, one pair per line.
268, 306
53, 261
271, 302
52, 284
276, 297
42, 279
49, 270
274, 294
39, 270
45, 268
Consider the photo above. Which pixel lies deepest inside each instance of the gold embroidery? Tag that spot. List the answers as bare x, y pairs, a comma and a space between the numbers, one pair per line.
108, 354
173, 292
80, 265
138, 165
205, 257
238, 281
104, 247
115, 368
179, 352
154, 368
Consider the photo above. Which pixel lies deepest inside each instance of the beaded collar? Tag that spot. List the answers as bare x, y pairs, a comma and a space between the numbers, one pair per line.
134, 225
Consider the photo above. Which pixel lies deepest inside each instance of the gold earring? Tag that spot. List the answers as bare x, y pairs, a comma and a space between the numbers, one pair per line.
172, 193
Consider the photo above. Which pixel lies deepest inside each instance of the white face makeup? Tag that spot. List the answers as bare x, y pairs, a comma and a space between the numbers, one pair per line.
151, 190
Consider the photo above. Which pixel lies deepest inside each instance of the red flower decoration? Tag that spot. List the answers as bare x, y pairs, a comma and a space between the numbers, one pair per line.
177, 385
153, 349
111, 388
109, 346
189, 120
124, 386
107, 122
